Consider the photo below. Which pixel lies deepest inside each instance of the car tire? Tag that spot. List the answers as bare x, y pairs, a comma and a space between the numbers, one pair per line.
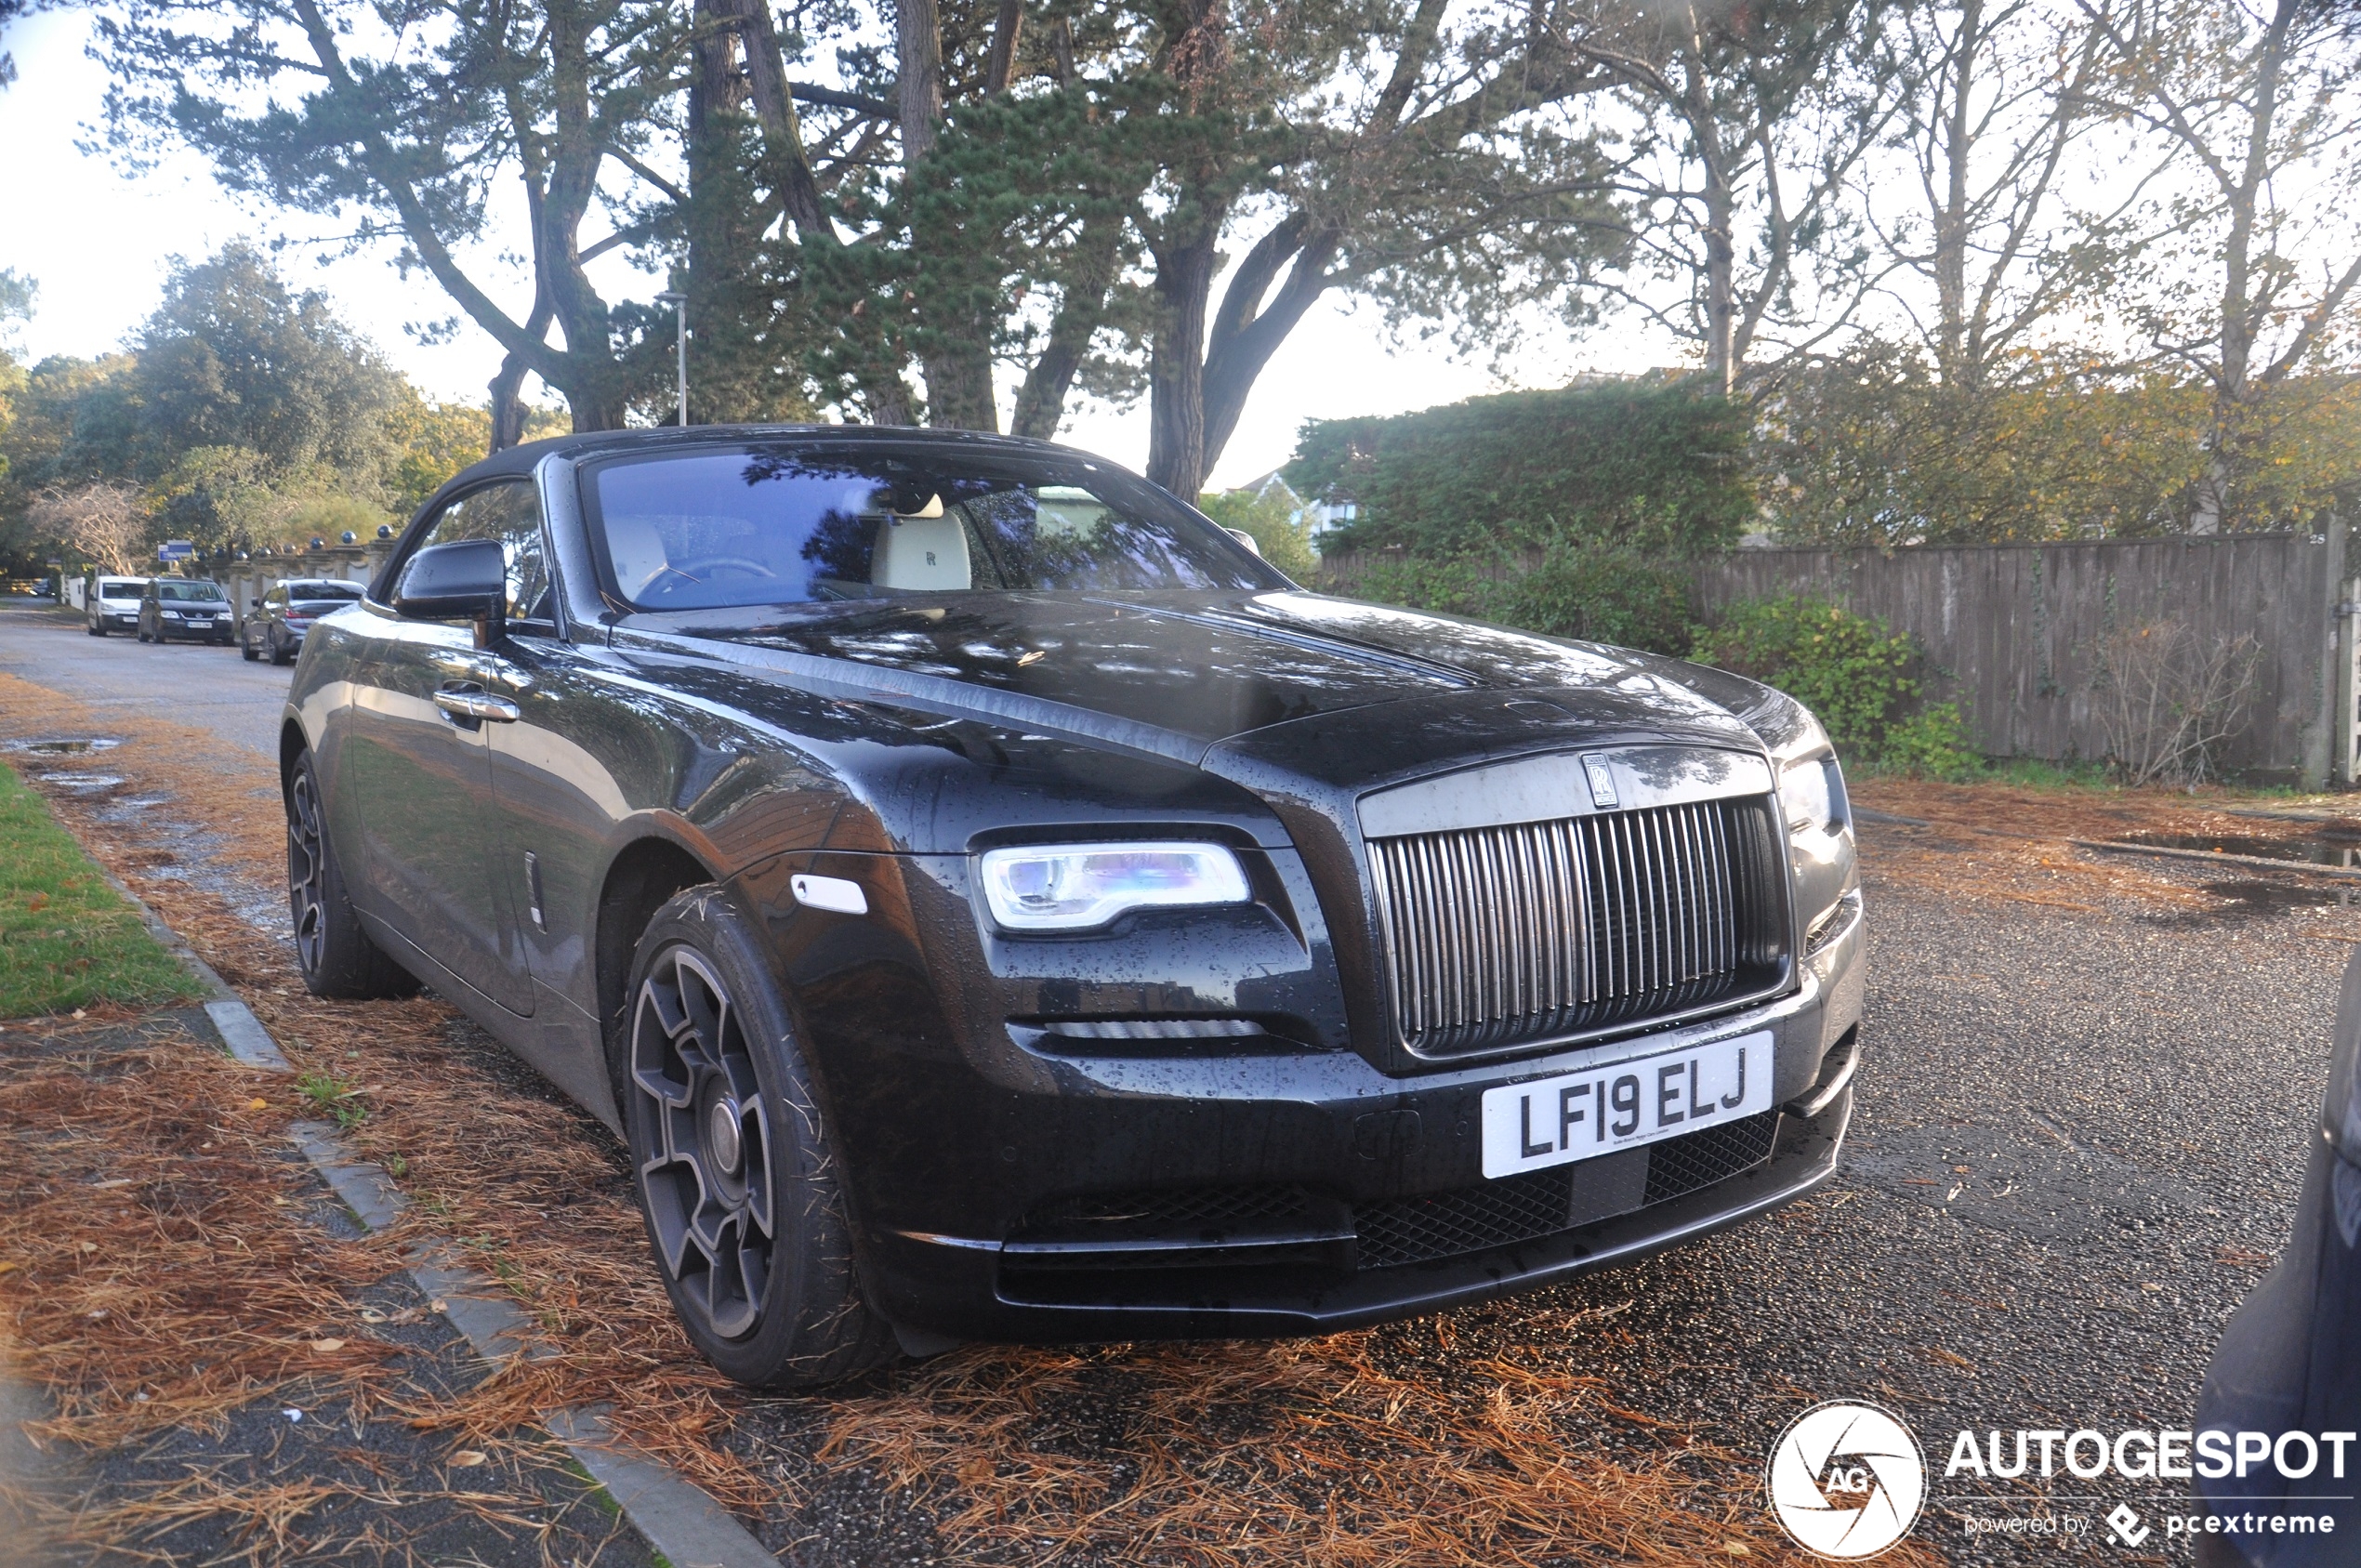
144, 634
278, 655
335, 956
737, 1182
246, 647
96, 629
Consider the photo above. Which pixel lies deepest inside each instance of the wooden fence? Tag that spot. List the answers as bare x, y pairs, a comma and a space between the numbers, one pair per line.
2011, 631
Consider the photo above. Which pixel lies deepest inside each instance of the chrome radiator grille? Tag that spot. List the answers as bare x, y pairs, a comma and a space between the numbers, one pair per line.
1495, 935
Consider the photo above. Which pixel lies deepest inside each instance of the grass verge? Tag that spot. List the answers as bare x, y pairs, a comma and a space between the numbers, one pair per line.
67, 939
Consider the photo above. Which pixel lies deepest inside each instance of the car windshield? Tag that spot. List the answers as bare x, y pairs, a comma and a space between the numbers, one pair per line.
321, 593
119, 590
786, 525
186, 592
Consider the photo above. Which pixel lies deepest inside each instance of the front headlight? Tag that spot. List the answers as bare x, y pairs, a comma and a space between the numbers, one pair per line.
1812, 793
1076, 886
1811, 784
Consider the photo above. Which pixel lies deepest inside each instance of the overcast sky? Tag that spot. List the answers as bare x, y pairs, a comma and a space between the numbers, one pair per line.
98, 243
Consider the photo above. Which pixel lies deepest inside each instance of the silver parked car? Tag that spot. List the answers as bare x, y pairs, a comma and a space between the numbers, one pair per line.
275, 623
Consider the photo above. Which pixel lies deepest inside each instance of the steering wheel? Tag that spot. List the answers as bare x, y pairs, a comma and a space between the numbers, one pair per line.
739, 566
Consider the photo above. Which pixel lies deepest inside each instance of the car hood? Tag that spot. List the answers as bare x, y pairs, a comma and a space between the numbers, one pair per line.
1178, 674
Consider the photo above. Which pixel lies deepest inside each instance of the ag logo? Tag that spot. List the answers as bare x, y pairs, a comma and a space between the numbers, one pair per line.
1846, 1480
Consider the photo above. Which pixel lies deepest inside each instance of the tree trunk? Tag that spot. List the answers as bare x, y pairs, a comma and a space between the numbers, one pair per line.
1951, 222
1006, 27
1720, 221
2233, 387
1041, 400
1176, 365
1245, 334
507, 387
592, 386
956, 346
787, 164
918, 40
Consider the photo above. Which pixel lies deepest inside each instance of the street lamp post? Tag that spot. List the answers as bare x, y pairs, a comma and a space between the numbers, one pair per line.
679, 303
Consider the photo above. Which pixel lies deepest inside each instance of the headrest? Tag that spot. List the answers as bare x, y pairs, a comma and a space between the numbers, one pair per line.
922, 555
637, 552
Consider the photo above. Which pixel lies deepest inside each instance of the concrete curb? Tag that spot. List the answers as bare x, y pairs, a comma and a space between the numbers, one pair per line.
487, 1315
677, 1519
689, 1528
241, 1033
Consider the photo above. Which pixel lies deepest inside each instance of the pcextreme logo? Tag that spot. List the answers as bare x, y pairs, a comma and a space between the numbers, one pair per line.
1846, 1480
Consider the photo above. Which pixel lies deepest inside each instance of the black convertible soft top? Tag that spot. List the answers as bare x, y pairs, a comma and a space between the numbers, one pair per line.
523, 459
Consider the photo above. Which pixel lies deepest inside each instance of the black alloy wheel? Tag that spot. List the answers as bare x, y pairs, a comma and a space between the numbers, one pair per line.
735, 1182
334, 954
708, 1177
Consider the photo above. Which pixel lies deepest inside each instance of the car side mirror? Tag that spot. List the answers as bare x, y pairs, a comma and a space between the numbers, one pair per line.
466, 580
1242, 537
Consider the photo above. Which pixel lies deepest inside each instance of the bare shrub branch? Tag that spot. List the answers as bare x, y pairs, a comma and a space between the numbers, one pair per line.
105, 524
2168, 701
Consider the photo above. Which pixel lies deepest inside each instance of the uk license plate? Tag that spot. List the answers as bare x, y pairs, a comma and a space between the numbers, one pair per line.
1571, 1116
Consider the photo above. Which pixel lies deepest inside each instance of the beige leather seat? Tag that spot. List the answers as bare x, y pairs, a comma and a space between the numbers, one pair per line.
922, 555
637, 552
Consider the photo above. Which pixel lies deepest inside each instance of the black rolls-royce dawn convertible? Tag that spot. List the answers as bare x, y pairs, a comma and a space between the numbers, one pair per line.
993, 903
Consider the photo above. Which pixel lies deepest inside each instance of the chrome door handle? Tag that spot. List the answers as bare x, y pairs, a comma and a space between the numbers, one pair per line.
476, 704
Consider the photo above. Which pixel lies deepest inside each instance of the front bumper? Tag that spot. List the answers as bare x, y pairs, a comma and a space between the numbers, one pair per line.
1010, 1187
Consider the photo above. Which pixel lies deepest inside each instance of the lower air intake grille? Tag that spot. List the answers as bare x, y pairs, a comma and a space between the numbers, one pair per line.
1523, 1208
1680, 1165
1515, 1208
1179, 1212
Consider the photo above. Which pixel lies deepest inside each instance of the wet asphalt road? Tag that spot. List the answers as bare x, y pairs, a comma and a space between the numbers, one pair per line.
187, 683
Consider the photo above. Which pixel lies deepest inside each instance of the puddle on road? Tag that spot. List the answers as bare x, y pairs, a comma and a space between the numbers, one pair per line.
83, 784
57, 746
2272, 898
2333, 847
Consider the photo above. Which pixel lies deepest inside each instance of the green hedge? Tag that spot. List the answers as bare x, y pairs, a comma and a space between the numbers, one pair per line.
1850, 670
1643, 466
1594, 594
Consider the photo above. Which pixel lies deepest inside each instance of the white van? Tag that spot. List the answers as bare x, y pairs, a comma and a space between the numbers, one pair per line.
114, 604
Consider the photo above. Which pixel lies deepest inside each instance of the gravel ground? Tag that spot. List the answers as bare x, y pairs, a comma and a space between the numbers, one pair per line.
2066, 1124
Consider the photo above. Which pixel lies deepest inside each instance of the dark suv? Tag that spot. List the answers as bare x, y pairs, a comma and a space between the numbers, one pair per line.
188, 607
275, 623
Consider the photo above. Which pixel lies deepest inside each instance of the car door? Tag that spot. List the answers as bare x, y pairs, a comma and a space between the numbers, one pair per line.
553, 768
420, 769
